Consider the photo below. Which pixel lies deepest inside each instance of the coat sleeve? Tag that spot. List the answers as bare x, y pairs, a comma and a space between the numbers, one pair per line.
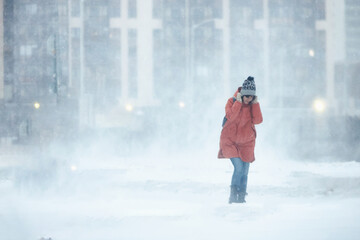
232, 109
256, 114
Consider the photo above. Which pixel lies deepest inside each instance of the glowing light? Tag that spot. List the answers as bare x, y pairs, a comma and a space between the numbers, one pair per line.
319, 105
36, 105
311, 53
181, 104
73, 168
129, 107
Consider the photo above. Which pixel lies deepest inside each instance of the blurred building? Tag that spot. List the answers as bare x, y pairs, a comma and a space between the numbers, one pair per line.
1, 50
109, 63
30, 53
191, 51
35, 70
346, 68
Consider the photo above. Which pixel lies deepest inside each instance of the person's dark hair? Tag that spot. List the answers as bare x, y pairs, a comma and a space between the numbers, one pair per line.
242, 99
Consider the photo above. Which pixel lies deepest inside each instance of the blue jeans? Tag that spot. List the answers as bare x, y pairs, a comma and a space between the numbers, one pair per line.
240, 175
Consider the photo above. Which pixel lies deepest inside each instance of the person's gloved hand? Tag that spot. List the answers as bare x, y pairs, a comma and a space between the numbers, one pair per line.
255, 100
238, 97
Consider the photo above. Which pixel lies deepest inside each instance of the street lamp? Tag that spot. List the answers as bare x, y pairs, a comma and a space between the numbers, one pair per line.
181, 104
319, 105
311, 53
129, 107
36, 105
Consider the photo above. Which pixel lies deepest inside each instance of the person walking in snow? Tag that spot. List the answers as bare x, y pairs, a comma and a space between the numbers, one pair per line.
237, 140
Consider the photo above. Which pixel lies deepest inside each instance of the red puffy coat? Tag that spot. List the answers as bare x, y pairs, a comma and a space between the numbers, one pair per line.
238, 134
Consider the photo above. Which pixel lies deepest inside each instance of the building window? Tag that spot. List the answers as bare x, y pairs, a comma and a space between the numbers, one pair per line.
168, 13
208, 12
31, 9
75, 8
132, 11
26, 50
320, 9
157, 8
115, 8
62, 10
307, 12
102, 11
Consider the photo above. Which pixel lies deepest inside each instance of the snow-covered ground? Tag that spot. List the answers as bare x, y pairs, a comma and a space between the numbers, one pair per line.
181, 196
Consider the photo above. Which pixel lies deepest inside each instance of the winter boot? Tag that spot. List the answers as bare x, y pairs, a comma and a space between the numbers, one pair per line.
241, 197
233, 194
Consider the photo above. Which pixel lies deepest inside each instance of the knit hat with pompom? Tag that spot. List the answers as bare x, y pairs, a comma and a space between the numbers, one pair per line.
248, 87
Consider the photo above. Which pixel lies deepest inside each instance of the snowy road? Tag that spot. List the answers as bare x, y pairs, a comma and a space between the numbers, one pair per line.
183, 198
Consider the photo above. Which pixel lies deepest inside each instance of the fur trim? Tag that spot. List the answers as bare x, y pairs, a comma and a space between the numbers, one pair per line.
238, 97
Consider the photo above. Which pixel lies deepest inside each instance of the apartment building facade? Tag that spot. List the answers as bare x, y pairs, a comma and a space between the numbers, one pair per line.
96, 56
